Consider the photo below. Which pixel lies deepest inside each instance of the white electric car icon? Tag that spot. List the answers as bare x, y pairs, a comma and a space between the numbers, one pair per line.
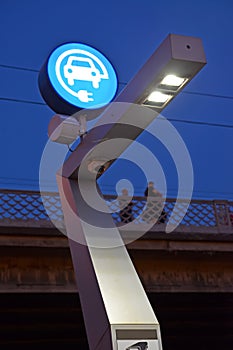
81, 68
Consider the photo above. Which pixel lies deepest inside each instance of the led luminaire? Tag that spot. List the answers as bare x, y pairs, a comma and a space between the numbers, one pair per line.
175, 63
172, 80
157, 96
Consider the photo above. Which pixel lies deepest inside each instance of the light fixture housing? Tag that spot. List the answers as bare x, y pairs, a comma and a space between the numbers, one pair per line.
170, 68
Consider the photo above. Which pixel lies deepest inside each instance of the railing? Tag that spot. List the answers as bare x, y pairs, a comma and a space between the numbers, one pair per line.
19, 208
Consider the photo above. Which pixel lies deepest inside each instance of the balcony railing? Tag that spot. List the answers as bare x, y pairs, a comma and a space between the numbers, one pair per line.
26, 208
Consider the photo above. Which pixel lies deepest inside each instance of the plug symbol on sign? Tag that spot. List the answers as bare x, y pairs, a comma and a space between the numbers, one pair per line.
84, 96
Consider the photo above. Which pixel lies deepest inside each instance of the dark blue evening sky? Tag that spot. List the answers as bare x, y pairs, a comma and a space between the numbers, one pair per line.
127, 32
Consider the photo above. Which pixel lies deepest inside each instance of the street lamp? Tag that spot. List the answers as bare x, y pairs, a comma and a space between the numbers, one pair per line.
169, 69
117, 313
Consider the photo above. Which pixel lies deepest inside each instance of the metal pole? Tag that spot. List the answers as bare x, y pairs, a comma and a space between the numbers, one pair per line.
116, 309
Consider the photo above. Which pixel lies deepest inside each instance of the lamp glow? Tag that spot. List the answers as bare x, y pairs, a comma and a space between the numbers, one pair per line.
172, 80
158, 97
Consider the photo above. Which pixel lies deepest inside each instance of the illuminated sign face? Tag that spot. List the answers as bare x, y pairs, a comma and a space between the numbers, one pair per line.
80, 76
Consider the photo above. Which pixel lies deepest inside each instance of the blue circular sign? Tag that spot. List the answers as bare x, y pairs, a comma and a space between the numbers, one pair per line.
81, 76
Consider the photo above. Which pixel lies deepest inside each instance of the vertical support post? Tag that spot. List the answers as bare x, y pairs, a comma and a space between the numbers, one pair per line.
116, 310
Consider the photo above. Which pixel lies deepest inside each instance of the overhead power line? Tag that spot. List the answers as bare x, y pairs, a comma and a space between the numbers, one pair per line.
22, 101
185, 121
19, 68
206, 94
200, 123
171, 119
